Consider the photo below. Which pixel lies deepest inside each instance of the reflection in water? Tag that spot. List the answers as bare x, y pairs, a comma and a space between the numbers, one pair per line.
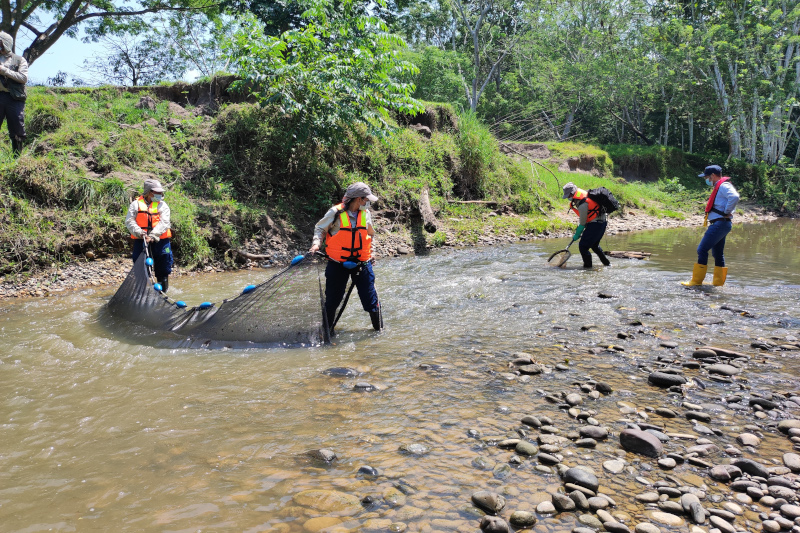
102, 432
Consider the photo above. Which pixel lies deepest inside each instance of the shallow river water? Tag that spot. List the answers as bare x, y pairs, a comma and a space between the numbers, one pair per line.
100, 434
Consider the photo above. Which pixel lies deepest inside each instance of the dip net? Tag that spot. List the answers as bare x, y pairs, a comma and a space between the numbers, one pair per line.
285, 310
559, 258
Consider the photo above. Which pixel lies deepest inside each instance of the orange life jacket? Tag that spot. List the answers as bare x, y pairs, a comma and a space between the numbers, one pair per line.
350, 243
148, 217
582, 196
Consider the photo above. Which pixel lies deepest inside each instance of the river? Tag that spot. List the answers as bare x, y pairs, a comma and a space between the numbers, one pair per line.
100, 434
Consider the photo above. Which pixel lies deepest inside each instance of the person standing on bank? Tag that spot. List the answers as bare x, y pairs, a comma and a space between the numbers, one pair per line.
719, 215
592, 223
13, 77
348, 232
148, 221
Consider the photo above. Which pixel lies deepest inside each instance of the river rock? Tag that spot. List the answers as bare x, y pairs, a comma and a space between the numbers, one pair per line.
581, 502
662, 379
748, 439
786, 425
491, 502
763, 403
666, 413
667, 519
531, 370
709, 321
641, 442
591, 521
771, 526
792, 512
522, 519
547, 459
582, 477
776, 491
602, 386
597, 502
585, 443
323, 454
667, 463
320, 523
792, 461
393, 497
341, 372
532, 421
648, 497
414, 448
574, 398
593, 432
368, 471
493, 524
524, 447
615, 466
546, 508
704, 353
646, 527
563, 503
328, 501
722, 525
723, 369
748, 466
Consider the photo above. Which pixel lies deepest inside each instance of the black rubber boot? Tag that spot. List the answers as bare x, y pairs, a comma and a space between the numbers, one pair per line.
587, 258
377, 321
164, 284
16, 145
603, 258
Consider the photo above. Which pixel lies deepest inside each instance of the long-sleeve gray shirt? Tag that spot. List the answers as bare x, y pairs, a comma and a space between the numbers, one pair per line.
330, 222
163, 222
725, 201
19, 76
583, 214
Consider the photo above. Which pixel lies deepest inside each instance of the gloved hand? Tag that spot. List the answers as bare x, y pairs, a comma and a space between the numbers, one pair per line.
578, 232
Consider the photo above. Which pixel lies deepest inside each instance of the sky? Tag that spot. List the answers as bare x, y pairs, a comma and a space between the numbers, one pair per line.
65, 55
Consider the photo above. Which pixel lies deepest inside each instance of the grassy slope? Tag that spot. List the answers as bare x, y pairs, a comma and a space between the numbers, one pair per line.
89, 151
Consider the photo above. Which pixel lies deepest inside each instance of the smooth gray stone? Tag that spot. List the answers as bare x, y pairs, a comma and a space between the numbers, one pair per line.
776, 491
563, 503
709, 321
591, 521
642, 442
605, 388
666, 413
723, 369
792, 461
616, 527
614, 466
597, 502
494, 524
323, 454
698, 415
647, 497
491, 502
671, 507
524, 447
586, 443
786, 425
646, 527
722, 525
582, 530
547, 459
593, 432
573, 487
661, 379
724, 473
582, 478
667, 463
697, 513
790, 511
580, 499
522, 519
748, 466
414, 449
574, 399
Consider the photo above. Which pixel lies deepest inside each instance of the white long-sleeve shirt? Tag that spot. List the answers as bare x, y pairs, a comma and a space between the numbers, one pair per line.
726, 200
163, 222
19, 76
330, 222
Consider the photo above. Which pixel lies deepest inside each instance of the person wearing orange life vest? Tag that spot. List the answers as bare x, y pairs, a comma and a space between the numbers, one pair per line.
592, 223
719, 215
347, 230
148, 221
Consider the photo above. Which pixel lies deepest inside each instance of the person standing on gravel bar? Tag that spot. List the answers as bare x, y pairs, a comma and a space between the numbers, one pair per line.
13, 77
719, 215
348, 232
592, 223
148, 221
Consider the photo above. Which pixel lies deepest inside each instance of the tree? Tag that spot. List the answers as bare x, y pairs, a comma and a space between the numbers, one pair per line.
136, 60
49, 20
199, 41
340, 69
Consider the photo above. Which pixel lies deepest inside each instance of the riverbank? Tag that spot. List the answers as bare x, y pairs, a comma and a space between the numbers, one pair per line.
391, 242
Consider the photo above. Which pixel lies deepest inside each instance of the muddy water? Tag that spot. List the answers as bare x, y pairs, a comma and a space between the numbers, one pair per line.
98, 433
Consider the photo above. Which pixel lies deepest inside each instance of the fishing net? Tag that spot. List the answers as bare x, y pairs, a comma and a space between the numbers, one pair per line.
559, 258
285, 310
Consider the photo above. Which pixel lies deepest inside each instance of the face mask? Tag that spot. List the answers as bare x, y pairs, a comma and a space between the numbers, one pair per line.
158, 197
708, 182
365, 206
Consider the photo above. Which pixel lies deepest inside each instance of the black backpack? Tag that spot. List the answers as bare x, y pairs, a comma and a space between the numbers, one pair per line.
604, 199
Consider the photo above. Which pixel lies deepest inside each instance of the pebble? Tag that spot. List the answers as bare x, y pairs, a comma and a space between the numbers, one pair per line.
667, 519
524, 447
771, 526
580, 499
661, 379
491, 502
792, 461
722, 525
790, 511
642, 442
591, 521
493, 524
563, 503
522, 519
667, 463
614, 466
647, 497
582, 477
646, 527
597, 502
574, 399
546, 508
666, 413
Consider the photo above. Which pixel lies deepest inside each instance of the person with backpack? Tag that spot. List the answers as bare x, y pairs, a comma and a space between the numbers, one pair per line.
13, 77
592, 208
719, 213
149, 223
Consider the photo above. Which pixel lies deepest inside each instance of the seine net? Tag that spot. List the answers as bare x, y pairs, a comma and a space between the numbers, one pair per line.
284, 310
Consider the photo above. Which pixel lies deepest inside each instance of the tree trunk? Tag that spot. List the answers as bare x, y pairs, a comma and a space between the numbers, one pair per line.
428, 218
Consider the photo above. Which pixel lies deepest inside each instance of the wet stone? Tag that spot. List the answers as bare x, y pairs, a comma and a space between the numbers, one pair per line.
647, 497
593, 432
597, 502
573, 487
748, 439
668, 344
776, 491
563, 503
532, 421
646, 527
792, 461
614, 466
671, 507
792, 512
590, 521
363, 386
483, 463
493, 524
547, 459
582, 530
698, 415
546, 508
709, 321
751, 467
771, 526
524, 447
502, 471
667, 519
666, 413
491, 502
582, 478
550, 430
603, 387
662, 379
340, 372
324, 454
414, 449
522, 519
581, 502
722, 525
574, 399
641, 442
369, 471
723, 369
667, 463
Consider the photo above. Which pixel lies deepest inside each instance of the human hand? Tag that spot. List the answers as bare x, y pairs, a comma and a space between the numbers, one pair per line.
314, 248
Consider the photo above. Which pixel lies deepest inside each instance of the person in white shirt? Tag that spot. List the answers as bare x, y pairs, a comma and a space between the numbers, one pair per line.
148, 221
719, 215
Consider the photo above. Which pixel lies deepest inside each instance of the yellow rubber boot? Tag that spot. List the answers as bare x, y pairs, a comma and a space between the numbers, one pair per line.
720, 275
698, 275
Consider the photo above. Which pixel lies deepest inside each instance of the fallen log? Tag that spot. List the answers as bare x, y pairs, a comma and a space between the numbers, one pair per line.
428, 218
628, 255
477, 202
254, 257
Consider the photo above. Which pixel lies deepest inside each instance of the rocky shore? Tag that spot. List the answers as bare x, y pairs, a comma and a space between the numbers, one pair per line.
391, 242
